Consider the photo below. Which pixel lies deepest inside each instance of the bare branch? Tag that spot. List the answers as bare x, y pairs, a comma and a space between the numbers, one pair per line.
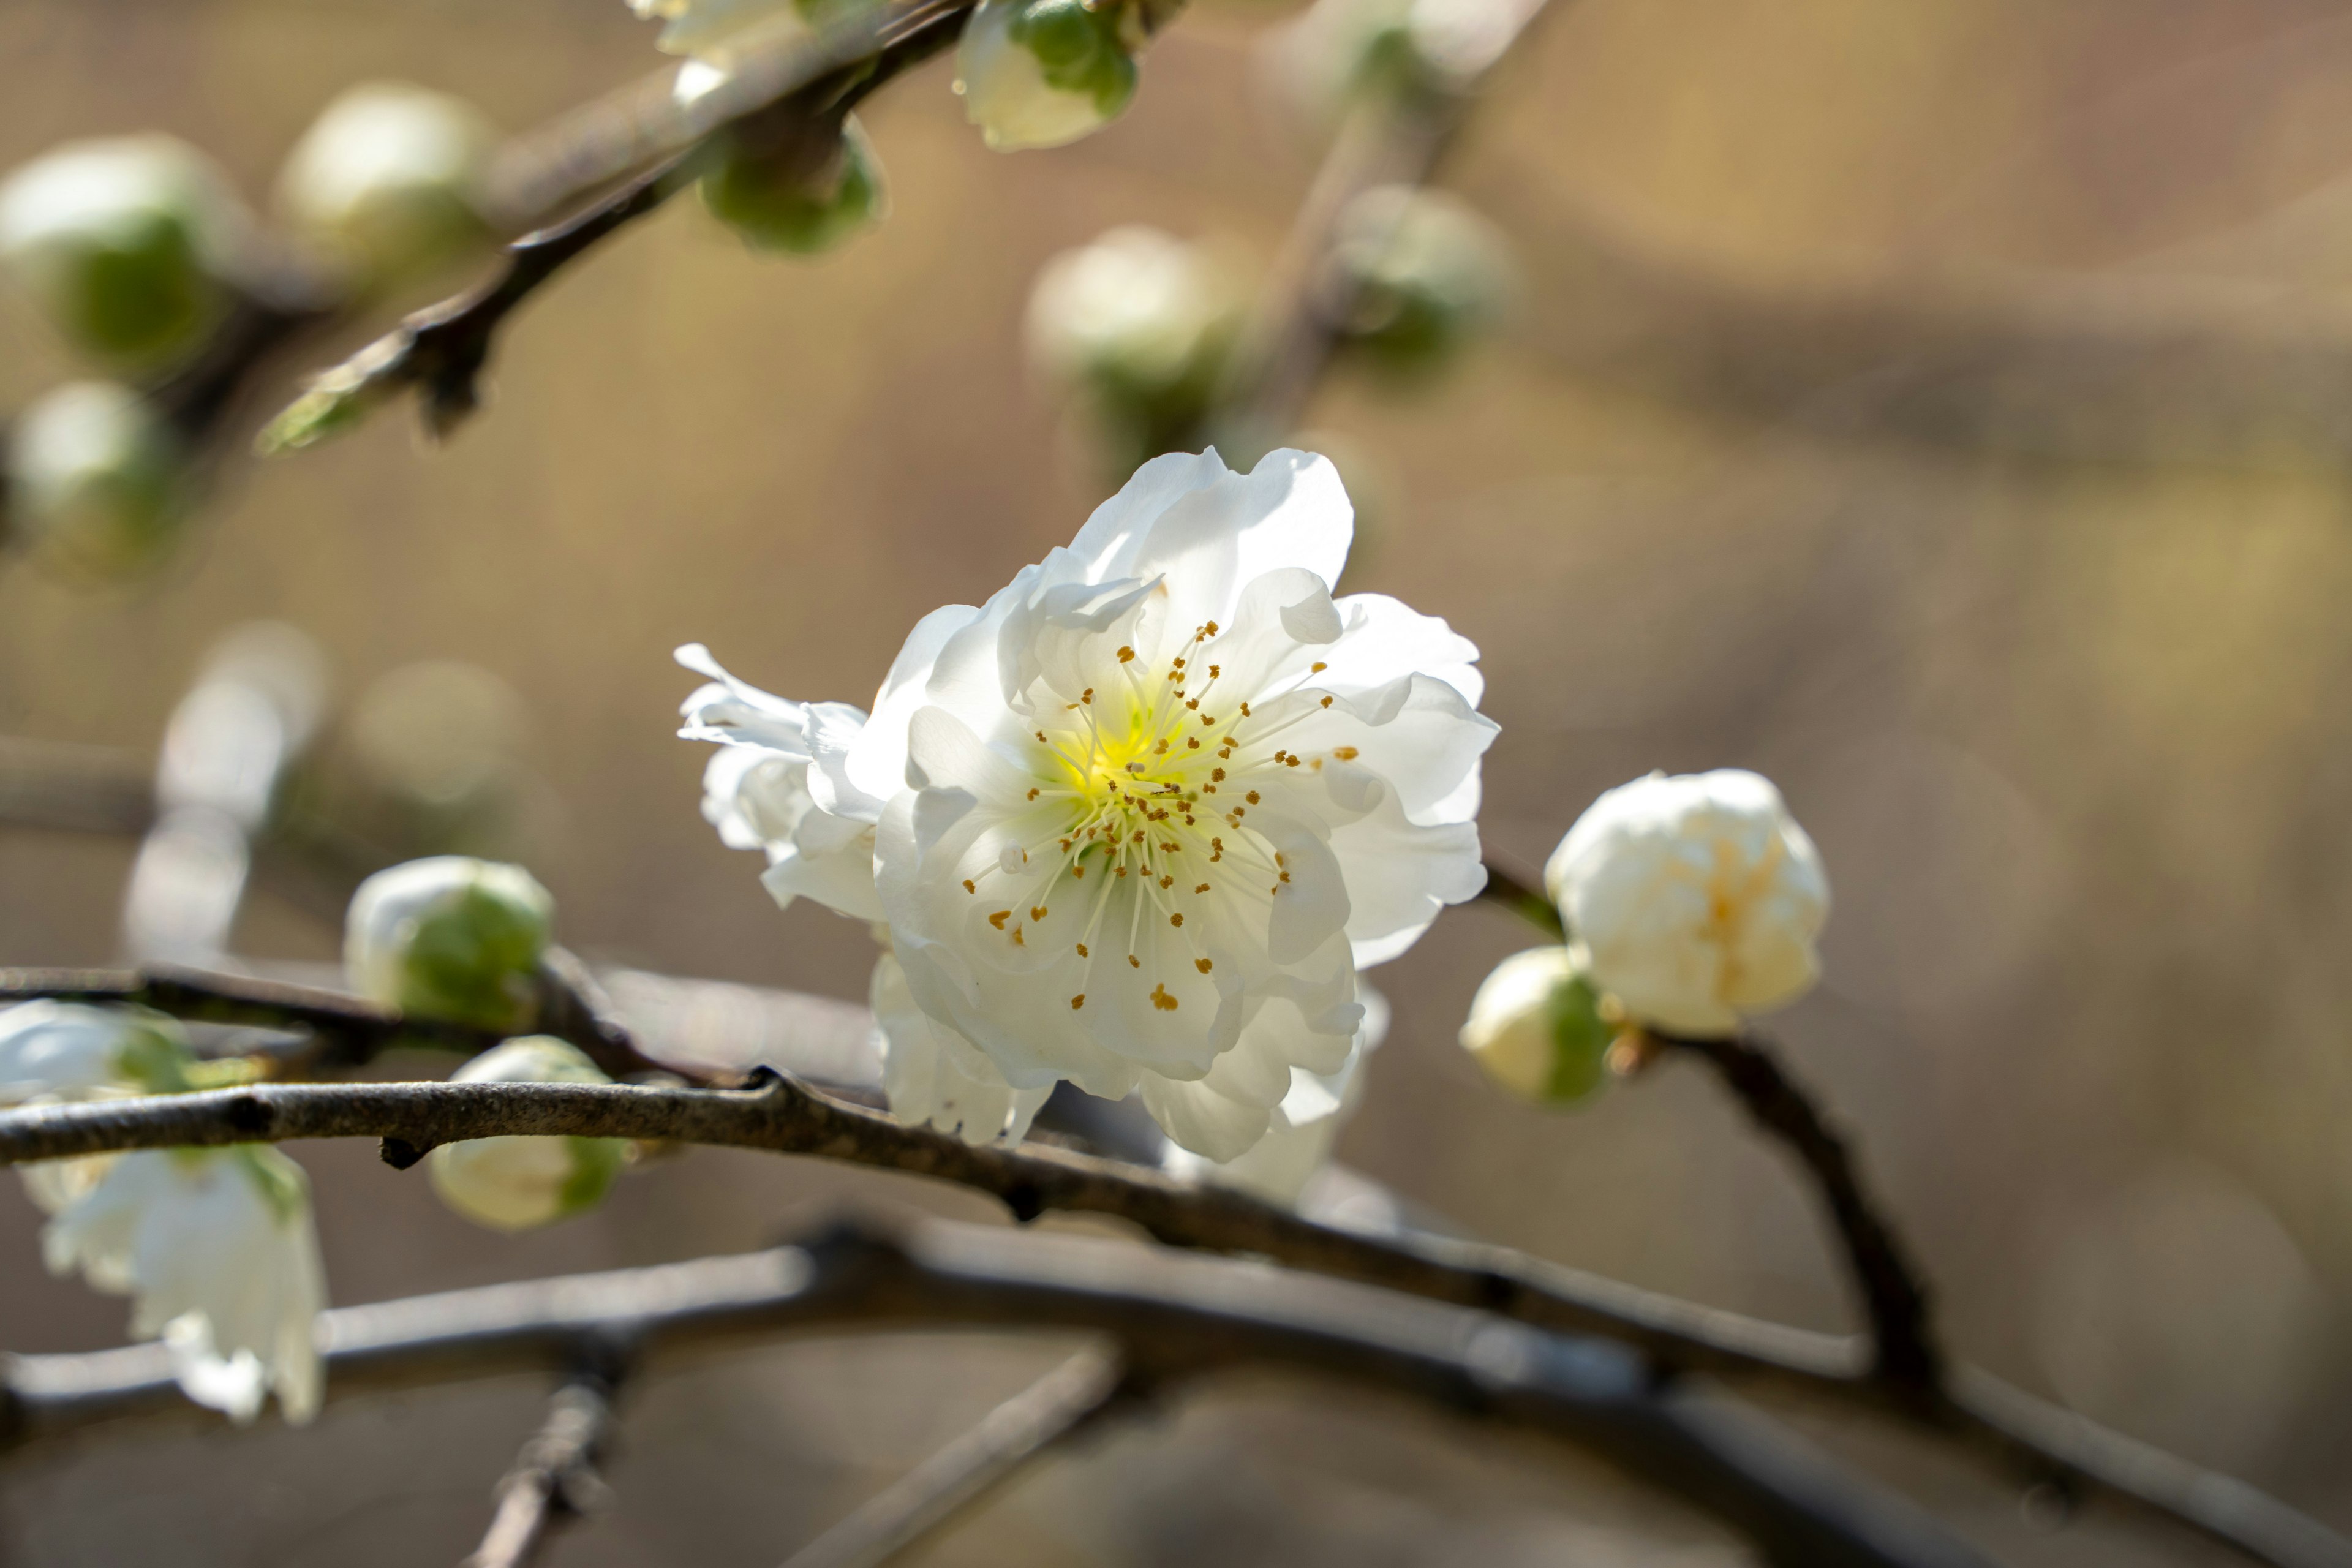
1179, 1318
554, 1478
781, 1116
1068, 1400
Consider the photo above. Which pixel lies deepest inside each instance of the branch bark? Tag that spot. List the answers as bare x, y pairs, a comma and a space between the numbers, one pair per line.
781, 1116
1068, 1400
1178, 1318
554, 1477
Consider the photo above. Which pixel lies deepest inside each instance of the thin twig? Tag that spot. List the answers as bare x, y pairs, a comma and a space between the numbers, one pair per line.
1178, 1318
781, 1116
1068, 1400
554, 1478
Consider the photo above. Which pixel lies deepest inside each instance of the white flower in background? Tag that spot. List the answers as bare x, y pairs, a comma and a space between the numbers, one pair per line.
1423, 274
215, 1246
385, 180
1341, 50
217, 1249
1134, 310
1043, 73
719, 31
1140, 818
1695, 898
131, 243
94, 479
1301, 1129
450, 937
518, 1182
1539, 1028
66, 1050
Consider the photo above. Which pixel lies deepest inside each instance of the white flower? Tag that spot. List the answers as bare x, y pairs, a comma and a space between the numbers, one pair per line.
1134, 308
128, 244
1301, 1129
450, 937
1043, 73
65, 1050
386, 179
1696, 899
94, 479
1537, 1025
936, 1078
1140, 818
217, 1251
517, 1182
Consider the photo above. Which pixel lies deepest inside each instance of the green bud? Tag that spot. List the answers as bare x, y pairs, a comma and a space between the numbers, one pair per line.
520, 1182
1541, 1028
777, 204
384, 181
96, 483
1041, 73
129, 245
1421, 274
451, 937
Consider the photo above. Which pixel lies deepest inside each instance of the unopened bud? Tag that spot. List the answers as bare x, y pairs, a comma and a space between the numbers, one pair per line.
1537, 1025
384, 181
66, 1050
1421, 274
517, 1182
95, 481
1041, 73
450, 938
779, 202
129, 245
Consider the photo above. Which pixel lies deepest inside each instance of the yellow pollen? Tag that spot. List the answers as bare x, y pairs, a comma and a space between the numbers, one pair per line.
1326, 702
1016, 938
1077, 1002
1121, 872
1201, 889
1175, 919
1167, 882
1037, 913
1211, 628
1318, 668
1218, 775
1214, 672
1251, 797
1245, 712
1203, 964
999, 918
1161, 1000
1345, 754
1125, 656
1192, 742
1082, 950
970, 886
1133, 962
1078, 871
1033, 795
1196, 702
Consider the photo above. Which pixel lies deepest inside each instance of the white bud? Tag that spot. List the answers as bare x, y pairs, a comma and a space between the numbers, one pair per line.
1697, 898
450, 938
68, 1050
1538, 1027
95, 481
129, 245
1422, 273
1348, 51
1134, 312
1042, 73
518, 1182
385, 181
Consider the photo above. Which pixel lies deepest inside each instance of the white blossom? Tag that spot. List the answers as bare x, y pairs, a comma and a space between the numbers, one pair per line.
68, 1050
94, 479
1695, 898
386, 179
450, 937
1134, 308
936, 1078
129, 243
218, 1253
1043, 73
1139, 819
1537, 1025
515, 1183
1301, 1129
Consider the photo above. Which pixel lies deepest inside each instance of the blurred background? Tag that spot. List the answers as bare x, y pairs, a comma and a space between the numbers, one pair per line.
1944, 409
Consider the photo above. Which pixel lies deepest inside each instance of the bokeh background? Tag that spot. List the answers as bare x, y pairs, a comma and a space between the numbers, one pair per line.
1943, 408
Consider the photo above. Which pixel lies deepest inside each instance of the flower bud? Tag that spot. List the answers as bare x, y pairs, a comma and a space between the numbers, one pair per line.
450, 938
1042, 73
1539, 1028
517, 1182
95, 481
129, 245
1419, 273
69, 1050
778, 203
1696, 899
1343, 52
384, 181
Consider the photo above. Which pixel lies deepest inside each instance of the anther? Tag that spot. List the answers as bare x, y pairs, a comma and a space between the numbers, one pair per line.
1125, 656
970, 886
1077, 1002
999, 918
1345, 754
1082, 950
1203, 964
1161, 1000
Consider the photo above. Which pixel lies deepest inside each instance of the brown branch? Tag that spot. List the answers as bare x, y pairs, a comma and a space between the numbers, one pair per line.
1065, 1402
781, 1116
1524, 898
1905, 1354
554, 1478
1177, 1318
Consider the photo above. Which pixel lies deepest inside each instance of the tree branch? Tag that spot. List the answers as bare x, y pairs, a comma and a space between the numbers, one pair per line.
1179, 1318
1068, 1400
781, 1116
554, 1477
